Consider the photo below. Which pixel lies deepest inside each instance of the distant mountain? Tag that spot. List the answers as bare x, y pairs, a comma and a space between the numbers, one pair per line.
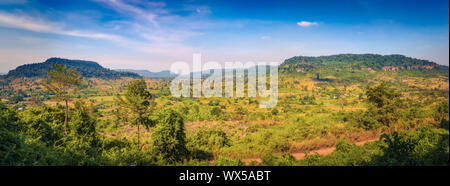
148, 74
87, 68
370, 62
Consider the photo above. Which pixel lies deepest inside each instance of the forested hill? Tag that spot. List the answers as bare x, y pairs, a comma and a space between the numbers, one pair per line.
370, 62
87, 68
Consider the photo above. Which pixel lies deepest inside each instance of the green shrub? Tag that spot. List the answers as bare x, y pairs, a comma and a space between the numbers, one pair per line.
343, 146
423, 146
226, 161
216, 111
168, 138
209, 139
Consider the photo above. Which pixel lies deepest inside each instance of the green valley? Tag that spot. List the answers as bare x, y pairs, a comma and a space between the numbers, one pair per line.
347, 109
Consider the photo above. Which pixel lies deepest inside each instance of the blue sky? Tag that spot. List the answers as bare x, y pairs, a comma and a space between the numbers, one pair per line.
151, 35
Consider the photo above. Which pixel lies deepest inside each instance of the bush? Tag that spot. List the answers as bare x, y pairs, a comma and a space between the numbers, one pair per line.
423, 146
205, 141
444, 124
285, 160
225, 161
216, 111
168, 138
441, 111
274, 111
343, 146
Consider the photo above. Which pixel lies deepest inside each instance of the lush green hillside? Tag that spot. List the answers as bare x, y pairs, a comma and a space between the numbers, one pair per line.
87, 68
367, 62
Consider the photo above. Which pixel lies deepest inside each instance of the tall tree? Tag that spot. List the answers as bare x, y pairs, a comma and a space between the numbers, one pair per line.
63, 82
139, 101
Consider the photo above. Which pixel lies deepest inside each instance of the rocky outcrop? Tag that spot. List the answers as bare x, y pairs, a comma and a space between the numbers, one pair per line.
411, 67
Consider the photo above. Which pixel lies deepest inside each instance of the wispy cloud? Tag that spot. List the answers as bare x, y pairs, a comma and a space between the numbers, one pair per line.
265, 37
145, 27
31, 24
154, 41
307, 23
148, 14
24, 22
8, 2
160, 31
201, 10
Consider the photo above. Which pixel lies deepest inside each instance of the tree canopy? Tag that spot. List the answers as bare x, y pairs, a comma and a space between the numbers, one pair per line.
87, 68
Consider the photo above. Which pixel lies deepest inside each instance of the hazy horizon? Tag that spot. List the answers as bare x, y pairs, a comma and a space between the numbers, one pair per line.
150, 70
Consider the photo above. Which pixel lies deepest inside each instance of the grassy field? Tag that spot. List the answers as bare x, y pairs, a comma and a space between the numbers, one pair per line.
311, 115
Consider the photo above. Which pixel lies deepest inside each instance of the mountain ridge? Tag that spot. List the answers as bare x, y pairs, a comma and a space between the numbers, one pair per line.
370, 62
149, 74
87, 68
366, 62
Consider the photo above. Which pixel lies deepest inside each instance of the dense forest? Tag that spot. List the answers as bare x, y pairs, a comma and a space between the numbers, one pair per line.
87, 68
360, 61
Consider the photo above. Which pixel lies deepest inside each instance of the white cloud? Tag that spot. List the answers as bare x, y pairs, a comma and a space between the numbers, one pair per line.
266, 37
35, 25
159, 41
23, 22
200, 10
162, 32
307, 24
8, 2
146, 14
109, 37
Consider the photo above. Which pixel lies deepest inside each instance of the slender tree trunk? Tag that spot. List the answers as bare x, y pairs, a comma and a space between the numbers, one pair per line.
139, 147
66, 117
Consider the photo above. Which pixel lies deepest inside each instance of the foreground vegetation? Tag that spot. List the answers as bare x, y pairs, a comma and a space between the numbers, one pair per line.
37, 137
404, 115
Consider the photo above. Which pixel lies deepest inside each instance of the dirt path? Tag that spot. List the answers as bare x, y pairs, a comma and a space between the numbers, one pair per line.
322, 151
326, 151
